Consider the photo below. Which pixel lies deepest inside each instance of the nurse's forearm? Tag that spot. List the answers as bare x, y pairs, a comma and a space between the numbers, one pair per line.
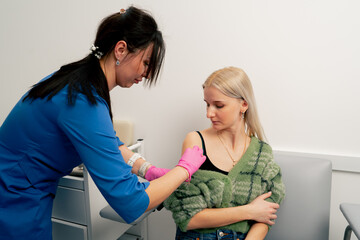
127, 153
161, 188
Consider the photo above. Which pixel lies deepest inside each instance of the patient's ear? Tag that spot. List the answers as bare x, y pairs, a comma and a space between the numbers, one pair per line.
244, 105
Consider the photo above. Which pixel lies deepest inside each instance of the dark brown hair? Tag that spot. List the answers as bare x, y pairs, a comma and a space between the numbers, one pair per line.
136, 27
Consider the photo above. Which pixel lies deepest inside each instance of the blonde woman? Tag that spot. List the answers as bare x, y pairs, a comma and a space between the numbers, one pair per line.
237, 191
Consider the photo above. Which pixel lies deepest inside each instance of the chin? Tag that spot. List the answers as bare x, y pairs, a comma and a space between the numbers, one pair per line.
219, 127
125, 85
216, 127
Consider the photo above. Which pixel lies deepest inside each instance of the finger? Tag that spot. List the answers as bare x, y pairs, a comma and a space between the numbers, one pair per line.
265, 195
275, 205
196, 147
273, 210
270, 222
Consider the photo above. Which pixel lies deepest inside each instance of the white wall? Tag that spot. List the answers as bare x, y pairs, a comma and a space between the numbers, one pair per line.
302, 57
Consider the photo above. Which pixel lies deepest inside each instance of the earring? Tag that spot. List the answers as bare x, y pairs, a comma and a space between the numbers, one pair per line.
117, 62
242, 115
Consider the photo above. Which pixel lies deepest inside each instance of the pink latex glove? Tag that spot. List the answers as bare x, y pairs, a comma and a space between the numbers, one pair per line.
154, 173
191, 160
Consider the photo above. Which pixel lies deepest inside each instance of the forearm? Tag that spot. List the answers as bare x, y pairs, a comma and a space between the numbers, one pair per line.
218, 217
161, 188
258, 210
127, 153
257, 231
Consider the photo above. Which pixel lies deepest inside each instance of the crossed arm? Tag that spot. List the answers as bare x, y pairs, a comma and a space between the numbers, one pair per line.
258, 210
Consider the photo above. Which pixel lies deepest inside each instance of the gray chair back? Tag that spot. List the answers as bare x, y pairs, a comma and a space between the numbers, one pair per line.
305, 212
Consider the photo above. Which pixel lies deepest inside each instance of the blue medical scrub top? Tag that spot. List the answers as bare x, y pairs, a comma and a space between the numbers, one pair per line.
43, 140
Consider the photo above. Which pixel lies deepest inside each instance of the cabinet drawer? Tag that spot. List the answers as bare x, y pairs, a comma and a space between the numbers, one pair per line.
130, 237
62, 230
72, 182
69, 205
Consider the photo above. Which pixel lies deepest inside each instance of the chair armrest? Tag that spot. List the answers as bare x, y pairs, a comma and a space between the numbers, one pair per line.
109, 213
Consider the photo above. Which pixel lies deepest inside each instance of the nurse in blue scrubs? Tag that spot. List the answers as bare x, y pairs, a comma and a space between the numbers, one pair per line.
66, 120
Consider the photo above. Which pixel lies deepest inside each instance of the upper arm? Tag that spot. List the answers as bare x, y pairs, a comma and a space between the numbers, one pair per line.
273, 177
191, 139
91, 133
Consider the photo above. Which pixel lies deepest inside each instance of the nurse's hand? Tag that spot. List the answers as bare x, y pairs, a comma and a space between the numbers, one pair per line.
191, 160
154, 173
161, 188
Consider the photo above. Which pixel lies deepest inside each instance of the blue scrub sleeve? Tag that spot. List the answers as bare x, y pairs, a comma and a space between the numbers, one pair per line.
119, 143
90, 130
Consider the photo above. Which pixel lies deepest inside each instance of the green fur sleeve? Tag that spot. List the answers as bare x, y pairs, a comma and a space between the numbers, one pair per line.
272, 179
207, 189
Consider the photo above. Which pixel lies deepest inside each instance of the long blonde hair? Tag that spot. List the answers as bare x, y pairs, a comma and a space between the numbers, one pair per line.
233, 82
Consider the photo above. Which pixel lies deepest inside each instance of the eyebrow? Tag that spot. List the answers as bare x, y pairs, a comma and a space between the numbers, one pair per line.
221, 101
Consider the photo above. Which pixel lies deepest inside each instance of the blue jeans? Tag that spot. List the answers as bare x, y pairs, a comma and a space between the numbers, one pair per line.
219, 234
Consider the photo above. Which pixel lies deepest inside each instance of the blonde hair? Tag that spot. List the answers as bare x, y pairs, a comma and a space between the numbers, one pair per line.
233, 82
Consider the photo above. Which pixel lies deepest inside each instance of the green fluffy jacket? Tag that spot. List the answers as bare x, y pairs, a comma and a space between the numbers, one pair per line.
256, 173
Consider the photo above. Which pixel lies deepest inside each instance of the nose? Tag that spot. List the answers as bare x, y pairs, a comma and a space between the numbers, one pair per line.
210, 112
144, 73
145, 76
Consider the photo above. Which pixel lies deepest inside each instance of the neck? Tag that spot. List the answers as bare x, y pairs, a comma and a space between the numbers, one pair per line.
234, 137
234, 143
109, 72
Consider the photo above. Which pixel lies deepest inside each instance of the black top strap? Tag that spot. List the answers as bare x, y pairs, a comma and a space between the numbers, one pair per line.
203, 143
208, 165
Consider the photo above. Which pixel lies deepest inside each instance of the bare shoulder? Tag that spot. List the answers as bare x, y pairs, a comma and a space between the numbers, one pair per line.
192, 139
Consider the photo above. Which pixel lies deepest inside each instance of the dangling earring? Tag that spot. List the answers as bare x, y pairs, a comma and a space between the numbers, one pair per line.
242, 115
117, 62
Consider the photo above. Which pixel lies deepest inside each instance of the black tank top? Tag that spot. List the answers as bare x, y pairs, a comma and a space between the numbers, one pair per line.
208, 165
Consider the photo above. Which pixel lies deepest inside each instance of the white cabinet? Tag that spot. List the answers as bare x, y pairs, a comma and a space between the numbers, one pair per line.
70, 209
76, 216
76, 213
67, 230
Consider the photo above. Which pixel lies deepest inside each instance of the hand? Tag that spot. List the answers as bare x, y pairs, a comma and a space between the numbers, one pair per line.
263, 211
191, 160
154, 173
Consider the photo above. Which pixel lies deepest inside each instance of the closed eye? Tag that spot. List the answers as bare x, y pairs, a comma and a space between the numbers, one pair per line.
217, 105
